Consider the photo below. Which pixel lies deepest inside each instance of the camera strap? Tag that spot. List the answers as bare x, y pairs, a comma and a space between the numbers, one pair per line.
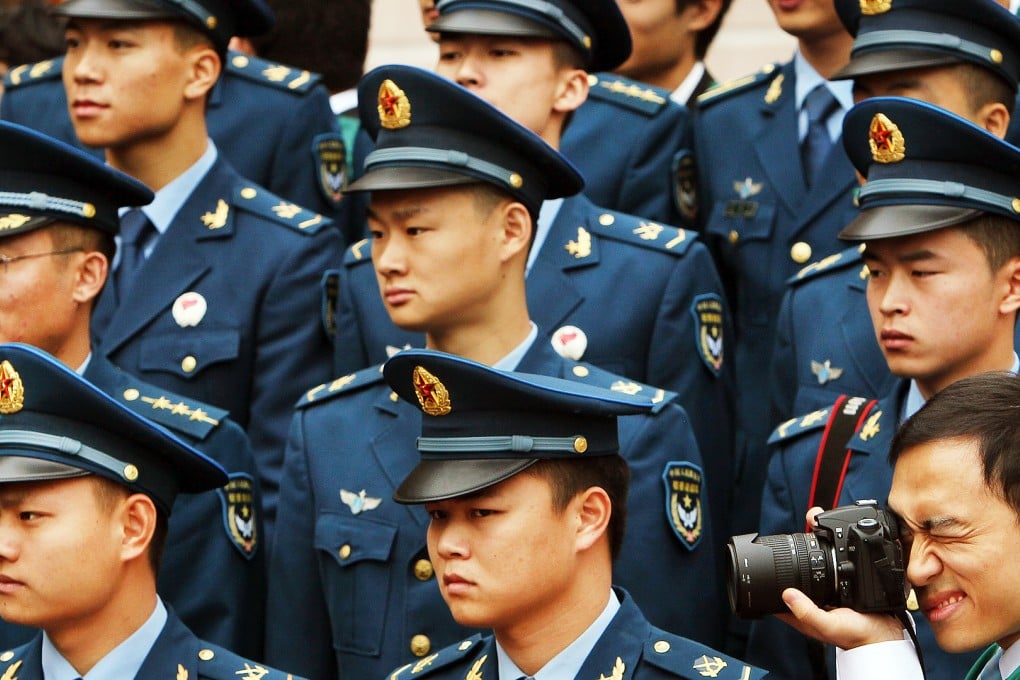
845, 419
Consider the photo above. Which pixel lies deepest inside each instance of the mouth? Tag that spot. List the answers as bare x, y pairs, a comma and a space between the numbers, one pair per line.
397, 296
9, 585
940, 608
894, 339
456, 584
84, 108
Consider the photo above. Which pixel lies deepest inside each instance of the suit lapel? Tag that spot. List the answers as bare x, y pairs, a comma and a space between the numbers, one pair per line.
392, 448
552, 295
776, 137
840, 182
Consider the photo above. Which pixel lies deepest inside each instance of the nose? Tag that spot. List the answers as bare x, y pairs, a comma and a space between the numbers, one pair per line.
388, 257
448, 542
82, 64
922, 563
892, 298
467, 73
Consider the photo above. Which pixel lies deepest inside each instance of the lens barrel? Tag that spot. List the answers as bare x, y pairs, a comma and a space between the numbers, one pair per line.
759, 568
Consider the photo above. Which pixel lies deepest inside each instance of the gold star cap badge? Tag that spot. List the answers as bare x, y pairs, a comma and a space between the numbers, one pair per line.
394, 106
432, 394
12, 390
887, 142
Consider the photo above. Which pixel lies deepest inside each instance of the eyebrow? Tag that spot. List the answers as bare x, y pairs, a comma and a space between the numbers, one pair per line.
398, 214
913, 256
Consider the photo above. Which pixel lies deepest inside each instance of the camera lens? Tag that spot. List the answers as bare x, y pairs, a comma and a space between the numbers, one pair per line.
761, 567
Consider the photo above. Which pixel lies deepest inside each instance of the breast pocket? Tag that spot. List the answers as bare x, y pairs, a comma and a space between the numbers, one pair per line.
743, 231
354, 565
188, 353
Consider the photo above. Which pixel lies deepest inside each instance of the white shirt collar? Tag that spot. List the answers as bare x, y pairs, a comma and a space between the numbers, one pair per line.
682, 94
84, 365
915, 400
1010, 660
123, 661
566, 664
341, 102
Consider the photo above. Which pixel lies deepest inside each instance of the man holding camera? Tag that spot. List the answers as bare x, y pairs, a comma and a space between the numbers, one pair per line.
955, 490
939, 213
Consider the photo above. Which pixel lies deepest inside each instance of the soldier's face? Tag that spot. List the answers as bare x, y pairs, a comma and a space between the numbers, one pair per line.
937, 307
517, 76
38, 294
126, 82
661, 34
504, 558
962, 541
440, 259
59, 556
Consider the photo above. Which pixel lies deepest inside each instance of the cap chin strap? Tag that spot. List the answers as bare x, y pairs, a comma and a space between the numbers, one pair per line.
450, 158
37, 200
924, 39
484, 447
65, 446
930, 187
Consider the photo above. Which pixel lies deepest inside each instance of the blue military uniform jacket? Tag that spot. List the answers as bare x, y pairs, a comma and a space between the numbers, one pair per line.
773, 644
177, 655
626, 140
630, 648
213, 572
647, 296
825, 342
256, 262
352, 591
272, 122
762, 225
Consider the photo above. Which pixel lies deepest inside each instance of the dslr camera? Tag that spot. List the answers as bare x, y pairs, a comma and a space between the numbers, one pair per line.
852, 559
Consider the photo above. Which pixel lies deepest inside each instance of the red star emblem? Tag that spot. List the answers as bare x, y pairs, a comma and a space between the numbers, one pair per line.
882, 136
424, 388
6, 384
388, 100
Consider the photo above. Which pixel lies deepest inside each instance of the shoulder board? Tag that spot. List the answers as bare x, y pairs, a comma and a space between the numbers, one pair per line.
271, 74
256, 199
218, 663
627, 93
685, 658
723, 90
593, 375
358, 253
40, 71
442, 659
836, 262
644, 233
11, 661
177, 413
342, 385
795, 427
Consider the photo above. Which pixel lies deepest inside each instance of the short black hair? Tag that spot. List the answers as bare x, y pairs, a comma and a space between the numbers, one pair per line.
984, 408
706, 36
997, 235
329, 37
29, 33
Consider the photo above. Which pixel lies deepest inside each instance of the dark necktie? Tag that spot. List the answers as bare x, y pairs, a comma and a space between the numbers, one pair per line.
135, 233
819, 105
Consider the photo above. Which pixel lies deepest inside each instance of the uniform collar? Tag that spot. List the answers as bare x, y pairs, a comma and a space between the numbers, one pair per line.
682, 94
123, 661
915, 400
566, 664
546, 216
169, 200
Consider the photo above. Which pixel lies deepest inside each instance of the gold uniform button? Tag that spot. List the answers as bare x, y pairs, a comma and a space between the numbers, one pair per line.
580, 445
423, 570
593, 80
420, 645
130, 473
800, 252
661, 647
607, 220
996, 56
189, 363
206, 655
734, 236
130, 395
240, 61
1016, 205
581, 371
6, 656
344, 552
248, 193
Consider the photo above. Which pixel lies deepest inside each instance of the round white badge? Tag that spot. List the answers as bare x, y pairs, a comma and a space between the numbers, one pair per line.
189, 309
570, 342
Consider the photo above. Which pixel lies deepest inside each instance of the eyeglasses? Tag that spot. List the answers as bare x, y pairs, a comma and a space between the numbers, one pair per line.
5, 260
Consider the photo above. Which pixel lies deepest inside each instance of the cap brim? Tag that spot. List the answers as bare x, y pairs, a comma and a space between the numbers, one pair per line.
24, 466
889, 221
883, 61
490, 22
440, 480
10, 219
113, 9
382, 179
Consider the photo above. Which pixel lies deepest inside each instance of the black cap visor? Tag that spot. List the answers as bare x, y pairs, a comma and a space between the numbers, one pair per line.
889, 221
884, 61
440, 480
491, 22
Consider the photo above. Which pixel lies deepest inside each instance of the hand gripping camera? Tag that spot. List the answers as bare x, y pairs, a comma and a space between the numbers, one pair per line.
852, 559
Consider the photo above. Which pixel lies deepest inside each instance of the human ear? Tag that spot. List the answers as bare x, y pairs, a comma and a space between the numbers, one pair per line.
138, 517
205, 67
593, 511
1011, 275
90, 277
994, 117
517, 229
572, 92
